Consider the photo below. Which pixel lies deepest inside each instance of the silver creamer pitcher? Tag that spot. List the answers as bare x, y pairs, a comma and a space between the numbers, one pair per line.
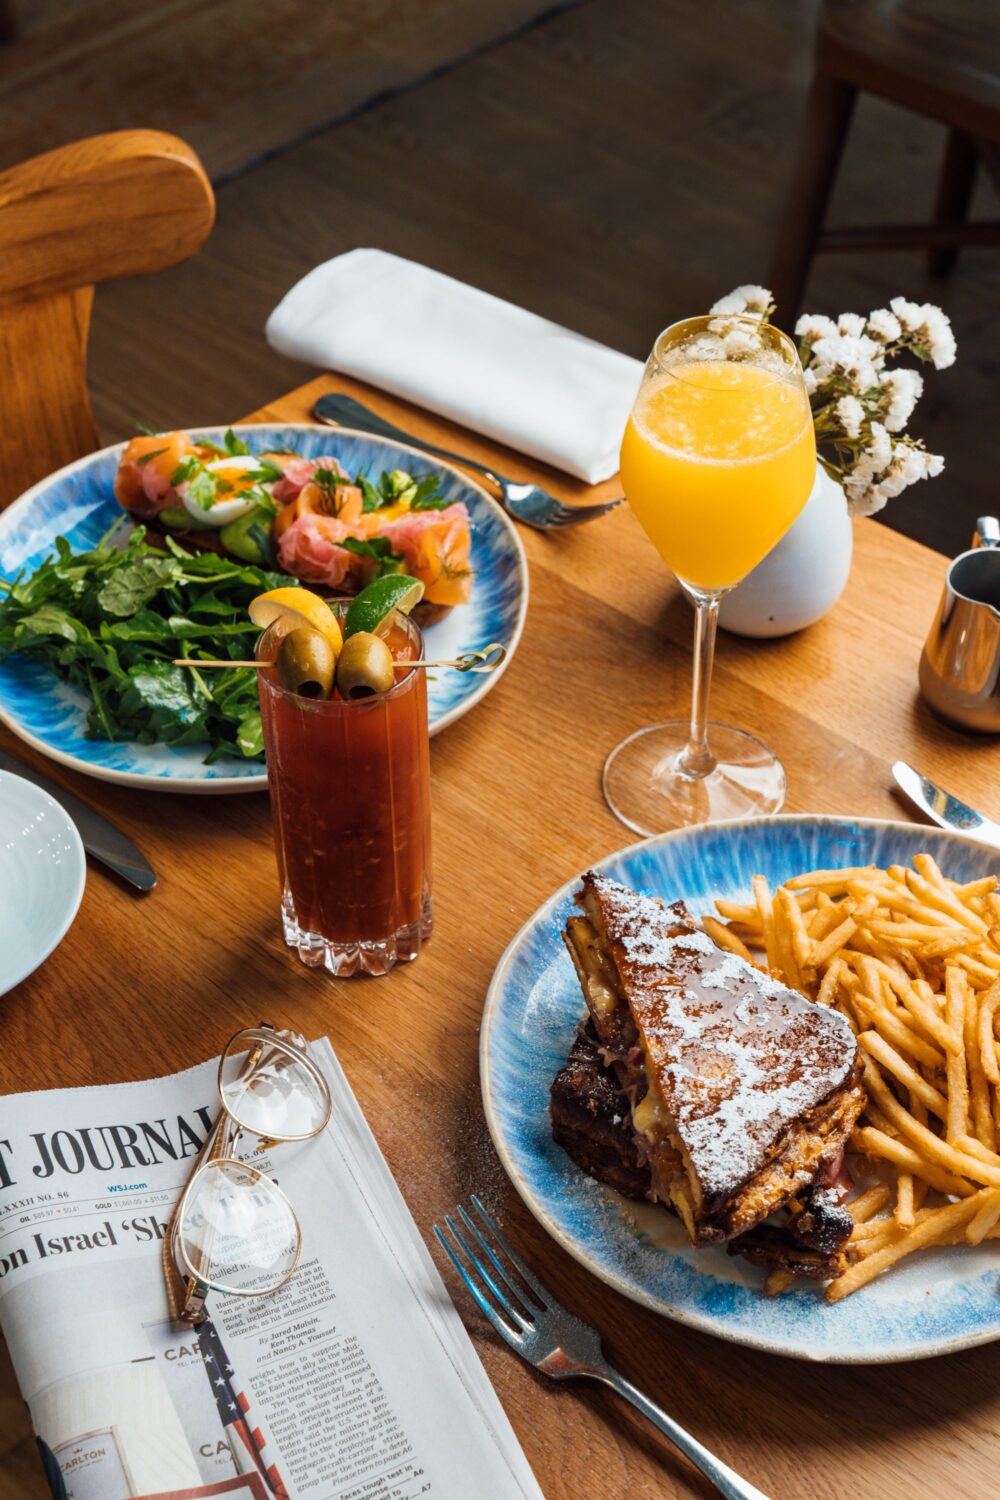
960, 665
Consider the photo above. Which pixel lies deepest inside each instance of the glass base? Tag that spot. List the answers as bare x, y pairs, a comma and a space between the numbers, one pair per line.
345, 959
645, 789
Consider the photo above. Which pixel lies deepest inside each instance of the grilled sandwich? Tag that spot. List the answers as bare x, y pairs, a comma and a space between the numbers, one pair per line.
737, 1093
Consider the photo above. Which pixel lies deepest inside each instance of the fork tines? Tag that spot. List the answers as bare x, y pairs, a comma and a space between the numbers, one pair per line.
493, 1275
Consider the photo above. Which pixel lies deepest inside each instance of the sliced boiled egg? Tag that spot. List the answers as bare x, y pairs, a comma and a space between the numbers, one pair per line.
227, 503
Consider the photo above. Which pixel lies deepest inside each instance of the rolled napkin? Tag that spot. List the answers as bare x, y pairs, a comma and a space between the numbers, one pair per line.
471, 357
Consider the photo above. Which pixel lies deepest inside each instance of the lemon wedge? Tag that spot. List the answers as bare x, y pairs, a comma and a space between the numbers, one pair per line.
292, 608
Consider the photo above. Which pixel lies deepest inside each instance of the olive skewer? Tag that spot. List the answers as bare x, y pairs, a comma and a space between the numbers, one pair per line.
484, 660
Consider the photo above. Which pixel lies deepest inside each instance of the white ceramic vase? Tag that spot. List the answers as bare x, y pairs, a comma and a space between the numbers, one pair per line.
803, 576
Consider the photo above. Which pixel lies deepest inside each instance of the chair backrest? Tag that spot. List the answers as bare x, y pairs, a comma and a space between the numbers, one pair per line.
114, 205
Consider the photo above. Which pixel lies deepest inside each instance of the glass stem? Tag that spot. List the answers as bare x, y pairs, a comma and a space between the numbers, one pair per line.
696, 759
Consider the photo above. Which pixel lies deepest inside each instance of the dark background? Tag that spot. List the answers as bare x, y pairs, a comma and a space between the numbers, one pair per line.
612, 164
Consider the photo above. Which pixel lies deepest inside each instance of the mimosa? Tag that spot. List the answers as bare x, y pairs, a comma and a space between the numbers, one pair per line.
718, 458
717, 461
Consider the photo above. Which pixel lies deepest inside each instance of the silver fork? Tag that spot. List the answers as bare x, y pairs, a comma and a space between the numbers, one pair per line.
552, 1339
528, 503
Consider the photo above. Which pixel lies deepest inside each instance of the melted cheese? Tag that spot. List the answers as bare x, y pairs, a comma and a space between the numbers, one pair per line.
651, 1116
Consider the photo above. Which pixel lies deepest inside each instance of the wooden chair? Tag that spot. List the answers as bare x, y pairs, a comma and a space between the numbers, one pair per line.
940, 58
114, 205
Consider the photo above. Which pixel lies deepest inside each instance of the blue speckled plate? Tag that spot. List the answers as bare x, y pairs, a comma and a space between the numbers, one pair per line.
935, 1302
78, 502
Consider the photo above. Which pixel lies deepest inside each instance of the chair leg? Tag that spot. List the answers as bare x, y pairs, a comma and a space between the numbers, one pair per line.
828, 118
954, 194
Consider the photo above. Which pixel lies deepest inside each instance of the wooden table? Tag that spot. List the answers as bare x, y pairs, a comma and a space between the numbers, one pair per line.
145, 986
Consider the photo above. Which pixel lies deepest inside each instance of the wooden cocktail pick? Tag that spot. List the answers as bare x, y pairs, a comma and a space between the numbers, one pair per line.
487, 659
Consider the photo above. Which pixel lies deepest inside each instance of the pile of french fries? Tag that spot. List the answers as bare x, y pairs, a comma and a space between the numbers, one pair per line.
912, 959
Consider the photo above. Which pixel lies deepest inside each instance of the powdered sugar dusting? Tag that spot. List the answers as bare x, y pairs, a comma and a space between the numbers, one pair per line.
739, 1056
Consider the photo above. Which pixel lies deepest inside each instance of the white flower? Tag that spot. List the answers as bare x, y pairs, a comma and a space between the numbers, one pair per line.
744, 299
857, 360
809, 380
850, 415
884, 469
813, 326
741, 343
908, 313
940, 339
853, 324
930, 327
902, 389
880, 449
884, 325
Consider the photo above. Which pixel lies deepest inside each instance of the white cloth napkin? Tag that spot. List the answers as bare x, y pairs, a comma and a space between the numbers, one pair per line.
482, 362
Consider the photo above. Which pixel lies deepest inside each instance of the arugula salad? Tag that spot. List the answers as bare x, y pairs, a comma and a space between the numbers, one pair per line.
110, 621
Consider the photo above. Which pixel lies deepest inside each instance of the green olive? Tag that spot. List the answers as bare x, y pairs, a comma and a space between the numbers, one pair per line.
306, 663
365, 666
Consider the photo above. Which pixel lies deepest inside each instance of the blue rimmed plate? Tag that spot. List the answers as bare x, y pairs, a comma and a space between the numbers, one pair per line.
78, 502
935, 1302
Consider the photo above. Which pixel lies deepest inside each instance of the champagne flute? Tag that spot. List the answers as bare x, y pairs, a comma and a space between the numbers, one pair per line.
718, 459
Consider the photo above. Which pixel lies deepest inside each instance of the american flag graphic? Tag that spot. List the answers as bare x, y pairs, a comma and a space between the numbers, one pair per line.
246, 1441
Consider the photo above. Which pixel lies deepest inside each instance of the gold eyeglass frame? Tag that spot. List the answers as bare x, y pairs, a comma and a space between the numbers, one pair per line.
187, 1287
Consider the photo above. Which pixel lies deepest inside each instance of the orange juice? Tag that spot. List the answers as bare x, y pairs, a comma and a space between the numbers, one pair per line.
717, 460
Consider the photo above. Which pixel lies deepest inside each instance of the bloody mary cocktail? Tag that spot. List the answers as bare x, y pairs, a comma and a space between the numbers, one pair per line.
350, 796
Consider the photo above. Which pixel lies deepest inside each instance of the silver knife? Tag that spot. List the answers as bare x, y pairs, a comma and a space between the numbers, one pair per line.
944, 809
101, 839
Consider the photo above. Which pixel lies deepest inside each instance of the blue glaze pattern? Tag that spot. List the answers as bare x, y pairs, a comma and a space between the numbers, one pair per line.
78, 503
934, 1302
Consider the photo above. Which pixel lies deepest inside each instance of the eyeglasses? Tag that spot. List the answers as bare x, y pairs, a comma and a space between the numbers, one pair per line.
233, 1230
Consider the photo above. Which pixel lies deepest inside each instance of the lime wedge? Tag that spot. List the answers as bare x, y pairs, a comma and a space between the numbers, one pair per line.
371, 609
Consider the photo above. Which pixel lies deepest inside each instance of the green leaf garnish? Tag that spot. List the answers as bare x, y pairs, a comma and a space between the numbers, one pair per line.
235, 445
146, 457
370, 497
379, 549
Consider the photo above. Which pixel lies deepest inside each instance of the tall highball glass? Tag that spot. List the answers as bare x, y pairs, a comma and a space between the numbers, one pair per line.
718, 459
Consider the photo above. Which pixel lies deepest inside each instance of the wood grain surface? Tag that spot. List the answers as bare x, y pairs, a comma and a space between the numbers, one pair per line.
238, 78
120, 204
606, 649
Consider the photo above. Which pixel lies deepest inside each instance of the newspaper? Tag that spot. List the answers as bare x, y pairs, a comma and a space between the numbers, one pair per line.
354, 1381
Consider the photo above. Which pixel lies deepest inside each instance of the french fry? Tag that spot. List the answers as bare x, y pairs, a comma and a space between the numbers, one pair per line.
958, 1082
987, 1040
736, 911
896, 1031
799, 937
869, 1203
877, 1144
784, 943
972, 1147
765, 910
912, 960
778, 1281
832, 943
726, 938
940, 1153
929, 1231
876, 1046
904, 1201
982, 1113
827, 992
972, 889
935, 894
831, 881
986, 1217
